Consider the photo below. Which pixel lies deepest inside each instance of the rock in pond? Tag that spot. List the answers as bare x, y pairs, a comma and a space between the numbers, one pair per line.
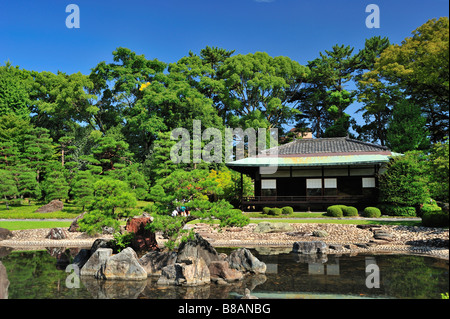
198, 248
154, 261
243, 260
95, 262
123, 266
310, 247
188, 272
220, 270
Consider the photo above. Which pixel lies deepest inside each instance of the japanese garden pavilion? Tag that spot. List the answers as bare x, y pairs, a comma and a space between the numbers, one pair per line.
313, 173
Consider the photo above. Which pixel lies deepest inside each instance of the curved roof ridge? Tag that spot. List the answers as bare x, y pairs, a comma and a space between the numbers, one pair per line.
325, 145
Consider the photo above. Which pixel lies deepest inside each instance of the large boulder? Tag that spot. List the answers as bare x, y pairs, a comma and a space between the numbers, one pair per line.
220, 270
243, 260
198, 248
54, 206
5, 233
144, 239
154, 261
95, 262
310, 247
189, 272
123, 266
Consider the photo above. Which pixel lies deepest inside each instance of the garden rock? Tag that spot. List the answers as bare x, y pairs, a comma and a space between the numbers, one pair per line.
198, 248
154, 261
189, 272
57, 233
243, 260
81, 258
123, 266
320, 233
54, 206
74, 227
95, 262
101, 243
144, 239
5, 233
310, 247
221, 270
266, 227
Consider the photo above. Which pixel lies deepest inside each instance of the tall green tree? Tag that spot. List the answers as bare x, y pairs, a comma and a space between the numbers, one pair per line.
377, 96
257, 89
14, 91
8, 188
419, 66
438, 171
324, 98
38, 151
59, 102
406, 129
82, 188
55, 185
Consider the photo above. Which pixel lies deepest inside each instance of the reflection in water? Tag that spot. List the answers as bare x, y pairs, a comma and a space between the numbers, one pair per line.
41, 274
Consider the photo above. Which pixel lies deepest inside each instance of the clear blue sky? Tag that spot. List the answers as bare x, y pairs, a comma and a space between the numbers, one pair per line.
34, 36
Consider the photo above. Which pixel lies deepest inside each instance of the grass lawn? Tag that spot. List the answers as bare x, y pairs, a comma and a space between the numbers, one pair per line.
27, 211
27, 224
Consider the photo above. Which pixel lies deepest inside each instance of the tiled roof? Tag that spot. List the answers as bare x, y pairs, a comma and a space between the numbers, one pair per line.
326, 146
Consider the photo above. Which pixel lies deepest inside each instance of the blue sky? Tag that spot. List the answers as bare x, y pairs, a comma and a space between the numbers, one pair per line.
34, 36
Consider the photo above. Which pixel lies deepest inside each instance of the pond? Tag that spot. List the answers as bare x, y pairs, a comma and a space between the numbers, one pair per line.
42, 274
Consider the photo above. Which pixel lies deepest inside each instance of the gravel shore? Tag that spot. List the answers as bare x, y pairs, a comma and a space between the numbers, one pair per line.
340, 238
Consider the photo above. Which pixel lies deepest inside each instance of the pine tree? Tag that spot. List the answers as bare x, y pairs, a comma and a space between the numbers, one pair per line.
55, 185
82, 188
8, 187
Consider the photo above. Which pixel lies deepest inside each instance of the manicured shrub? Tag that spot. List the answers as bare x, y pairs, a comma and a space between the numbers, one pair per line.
350, 211
436, 218
335, 211
275, 211
429, 206
287, 210
372, 212
394, 210
266, 210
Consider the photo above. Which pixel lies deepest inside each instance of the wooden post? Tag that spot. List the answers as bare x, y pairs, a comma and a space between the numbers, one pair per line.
242, 191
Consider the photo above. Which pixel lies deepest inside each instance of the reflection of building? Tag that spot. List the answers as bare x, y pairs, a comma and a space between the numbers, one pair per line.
315, 172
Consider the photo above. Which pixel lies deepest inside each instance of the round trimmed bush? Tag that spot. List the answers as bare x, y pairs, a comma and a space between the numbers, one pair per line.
266, 210
287, 210
275, 211
350, 211
371, 212
436, 218
335, 211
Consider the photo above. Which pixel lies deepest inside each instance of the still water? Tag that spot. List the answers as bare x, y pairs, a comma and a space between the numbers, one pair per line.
42, 275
